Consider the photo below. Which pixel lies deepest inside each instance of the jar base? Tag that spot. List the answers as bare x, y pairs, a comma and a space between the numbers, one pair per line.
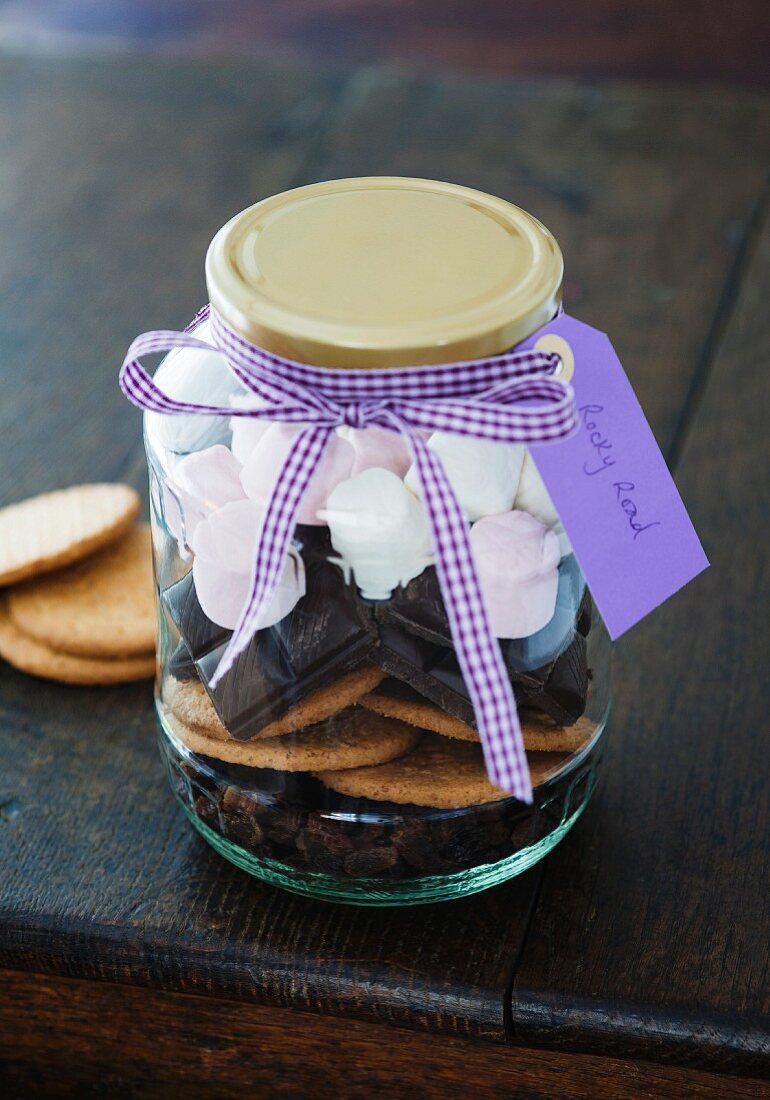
422, 890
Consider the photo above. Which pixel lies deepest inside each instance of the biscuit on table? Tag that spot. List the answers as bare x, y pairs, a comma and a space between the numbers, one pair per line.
351, 739
28, 655
438, 772
55, 529
102, 606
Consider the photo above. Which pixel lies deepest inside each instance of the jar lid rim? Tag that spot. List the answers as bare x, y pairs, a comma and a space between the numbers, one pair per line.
384, 271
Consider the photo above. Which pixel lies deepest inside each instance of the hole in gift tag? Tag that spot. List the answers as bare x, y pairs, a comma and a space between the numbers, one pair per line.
551, 342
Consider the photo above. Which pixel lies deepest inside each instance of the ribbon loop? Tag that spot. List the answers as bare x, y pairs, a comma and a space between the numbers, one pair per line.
355, 415
508, 398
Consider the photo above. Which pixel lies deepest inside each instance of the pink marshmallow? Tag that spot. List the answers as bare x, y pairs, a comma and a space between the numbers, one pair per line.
517, 559
200, 484
376, 447
264, 464
225, 545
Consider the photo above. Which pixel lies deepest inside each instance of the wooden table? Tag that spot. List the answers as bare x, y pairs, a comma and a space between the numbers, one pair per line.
634, 961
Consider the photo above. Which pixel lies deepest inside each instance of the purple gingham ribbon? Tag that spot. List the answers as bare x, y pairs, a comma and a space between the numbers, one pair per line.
508, 398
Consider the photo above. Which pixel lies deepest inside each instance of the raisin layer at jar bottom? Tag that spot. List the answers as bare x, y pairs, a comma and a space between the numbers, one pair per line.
290, 831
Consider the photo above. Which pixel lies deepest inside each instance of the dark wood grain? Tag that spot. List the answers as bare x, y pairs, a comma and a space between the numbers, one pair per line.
649, 39
656, 938
115, 178
66, 1038
118, 174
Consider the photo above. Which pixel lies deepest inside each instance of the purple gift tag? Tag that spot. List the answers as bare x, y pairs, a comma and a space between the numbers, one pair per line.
610, 484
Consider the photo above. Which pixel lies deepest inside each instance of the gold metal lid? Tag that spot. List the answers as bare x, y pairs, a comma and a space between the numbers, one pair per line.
384, 272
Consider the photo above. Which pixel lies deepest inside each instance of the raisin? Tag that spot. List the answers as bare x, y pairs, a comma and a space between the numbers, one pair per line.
369, 862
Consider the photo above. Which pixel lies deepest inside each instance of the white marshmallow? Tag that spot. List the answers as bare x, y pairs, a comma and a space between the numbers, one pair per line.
266, 460
532, 495
517, 559
225, 545
484, 475
565, 546
201, 377
246, 433
379, 529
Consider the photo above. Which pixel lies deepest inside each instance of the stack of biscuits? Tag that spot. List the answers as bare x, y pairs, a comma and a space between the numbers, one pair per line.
76, 586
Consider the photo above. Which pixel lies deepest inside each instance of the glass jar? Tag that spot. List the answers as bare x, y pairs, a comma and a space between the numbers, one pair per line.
339, 756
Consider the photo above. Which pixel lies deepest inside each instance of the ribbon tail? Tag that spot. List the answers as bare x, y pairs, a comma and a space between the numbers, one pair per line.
477, 649
292, 483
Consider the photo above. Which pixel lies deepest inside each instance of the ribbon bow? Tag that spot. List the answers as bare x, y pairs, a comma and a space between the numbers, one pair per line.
508, 398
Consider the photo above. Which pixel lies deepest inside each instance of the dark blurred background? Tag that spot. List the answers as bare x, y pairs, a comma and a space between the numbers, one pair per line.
692, 40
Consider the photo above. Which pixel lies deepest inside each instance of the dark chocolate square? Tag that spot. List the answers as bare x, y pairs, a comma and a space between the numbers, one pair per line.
180, 664
416, 648
328, 633
563, 693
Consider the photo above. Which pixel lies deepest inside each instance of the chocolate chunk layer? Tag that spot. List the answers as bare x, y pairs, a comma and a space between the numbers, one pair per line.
329, 632
332, 631
547, 670
418, 608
